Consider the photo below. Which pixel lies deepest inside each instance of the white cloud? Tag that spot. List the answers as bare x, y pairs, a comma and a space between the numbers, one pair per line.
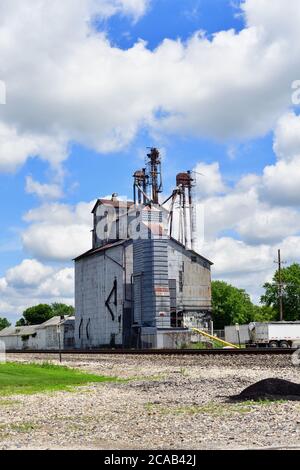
2, 92
134, 8
30, 273
16, 147
47, 191
208, 180
249, 267
268, 225
254, 221
58, 231
57, 242
3, 284
280, 183
236, 257
31, 283
61, 284
66, 82
287, 137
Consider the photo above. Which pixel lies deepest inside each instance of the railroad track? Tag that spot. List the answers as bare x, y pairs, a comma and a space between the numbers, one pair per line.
164, 352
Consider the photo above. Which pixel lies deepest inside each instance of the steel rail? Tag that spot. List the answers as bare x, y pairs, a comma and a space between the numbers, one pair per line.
163, 352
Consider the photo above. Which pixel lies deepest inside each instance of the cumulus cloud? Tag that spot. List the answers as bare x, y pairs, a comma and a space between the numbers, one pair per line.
33, 282
287, 137
134, 8
58, 231
2, 92
3, 284
280, 182
208, 179
60, 285
66, 82
30, 273
248, 266
16, 147
47, 191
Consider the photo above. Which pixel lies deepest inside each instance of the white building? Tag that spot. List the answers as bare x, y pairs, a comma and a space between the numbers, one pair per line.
53, 334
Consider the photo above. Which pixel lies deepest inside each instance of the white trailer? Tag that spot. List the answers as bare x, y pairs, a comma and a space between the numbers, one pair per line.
237, 336
275, 334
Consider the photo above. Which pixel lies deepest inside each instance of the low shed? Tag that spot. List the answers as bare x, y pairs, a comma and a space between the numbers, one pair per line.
56, 333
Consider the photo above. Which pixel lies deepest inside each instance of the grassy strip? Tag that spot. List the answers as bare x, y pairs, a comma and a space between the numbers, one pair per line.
213, 409
16, 378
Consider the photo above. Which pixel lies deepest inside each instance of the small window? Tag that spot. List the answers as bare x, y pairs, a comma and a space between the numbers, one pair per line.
194, 259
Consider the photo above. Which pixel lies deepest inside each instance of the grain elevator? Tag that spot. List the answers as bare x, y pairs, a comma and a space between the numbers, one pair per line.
142, 283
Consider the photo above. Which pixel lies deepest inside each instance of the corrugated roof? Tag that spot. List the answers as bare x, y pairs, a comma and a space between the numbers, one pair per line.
191, 251
113, 203
54, 321
121, 242
103, 248
19, 330
30, 330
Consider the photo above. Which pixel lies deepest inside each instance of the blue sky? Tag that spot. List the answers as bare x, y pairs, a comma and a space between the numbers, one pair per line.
173, 20
167, 91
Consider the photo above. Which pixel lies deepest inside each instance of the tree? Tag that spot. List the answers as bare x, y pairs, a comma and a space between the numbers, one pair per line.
263, 313
43, 312
230, 305
291, 293
62, 309
36, 315
21, 322
4, 323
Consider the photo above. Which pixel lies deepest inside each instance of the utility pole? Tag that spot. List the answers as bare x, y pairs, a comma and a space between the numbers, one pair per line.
280, 290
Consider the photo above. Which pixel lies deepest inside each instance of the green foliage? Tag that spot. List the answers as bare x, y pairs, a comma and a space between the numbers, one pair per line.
16, 378
264, 313
62, 309
230, 305
291, 293
37, 314
43, 312
4, 323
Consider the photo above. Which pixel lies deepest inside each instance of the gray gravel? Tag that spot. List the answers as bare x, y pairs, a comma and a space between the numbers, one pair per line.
177, 402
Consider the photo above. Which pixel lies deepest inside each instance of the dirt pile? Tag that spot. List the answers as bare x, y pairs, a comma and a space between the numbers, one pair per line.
270, 389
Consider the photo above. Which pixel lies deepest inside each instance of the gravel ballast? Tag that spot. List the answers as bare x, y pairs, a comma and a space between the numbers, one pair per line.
168, 402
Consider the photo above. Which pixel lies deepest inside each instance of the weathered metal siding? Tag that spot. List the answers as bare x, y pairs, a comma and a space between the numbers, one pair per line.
94, 281
193, 278
151, 285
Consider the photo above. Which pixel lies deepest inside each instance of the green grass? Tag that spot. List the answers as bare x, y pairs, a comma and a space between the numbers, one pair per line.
213, 409
204, 345
23, 379
9, 402
25, 427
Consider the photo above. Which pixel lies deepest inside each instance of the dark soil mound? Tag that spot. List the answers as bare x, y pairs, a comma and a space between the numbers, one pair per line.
270, 389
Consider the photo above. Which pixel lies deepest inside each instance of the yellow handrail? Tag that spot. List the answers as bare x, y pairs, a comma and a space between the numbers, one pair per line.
215, 338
